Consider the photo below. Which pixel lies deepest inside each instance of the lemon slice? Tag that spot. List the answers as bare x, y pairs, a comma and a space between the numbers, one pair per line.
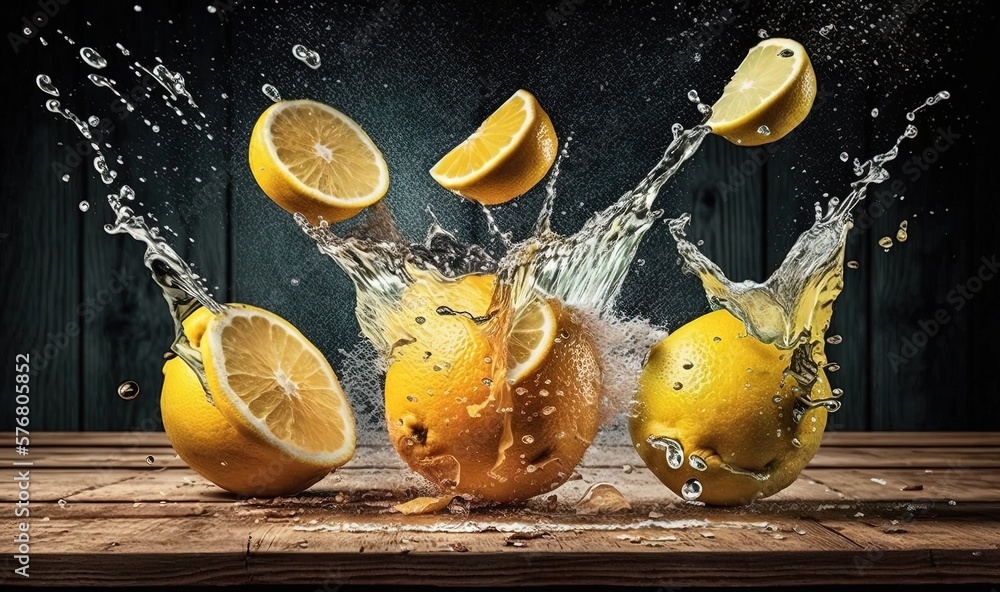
271, 383
770, 93
310, 158
530, 339
508, 155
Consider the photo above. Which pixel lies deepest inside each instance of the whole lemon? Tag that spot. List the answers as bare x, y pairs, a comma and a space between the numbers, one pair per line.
235, 461
470, 434
713, 416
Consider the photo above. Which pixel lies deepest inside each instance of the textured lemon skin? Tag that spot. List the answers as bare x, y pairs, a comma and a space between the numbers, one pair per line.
448, 425
212, 447
694, 389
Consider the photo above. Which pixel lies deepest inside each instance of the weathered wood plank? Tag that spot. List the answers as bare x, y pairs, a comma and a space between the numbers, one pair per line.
876, 484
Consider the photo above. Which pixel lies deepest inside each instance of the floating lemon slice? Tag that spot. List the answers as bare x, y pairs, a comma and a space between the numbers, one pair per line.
310, 158
272, 384
771, 92
530, 340
508, 155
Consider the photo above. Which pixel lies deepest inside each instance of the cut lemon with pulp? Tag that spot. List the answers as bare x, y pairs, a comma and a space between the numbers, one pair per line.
530, 339
273, 385
312, 159
508, 155
770, 93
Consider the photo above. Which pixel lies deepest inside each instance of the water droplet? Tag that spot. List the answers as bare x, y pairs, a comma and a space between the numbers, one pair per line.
295, 281
834, 339
677, 129
673, 448
687, 365
521, 390
84, 205
306, 56
697, 463
420, 320
128, 390
796, 443
825, 31
875, 112
548, 410
62, 503
703, 108
527, 439
693, 96
691, 490
786, 53
885, 242
777, 399
45, 84
488, 360
93, 121
93, 59
543, 393
716, 339
212, 9
678, 386
844, 156
764, 130
762, 34
910, 116
271, 92
531, 468
150, 460
65, 178
853, 264
832, 367
137, 8
901, 235
837, 393
488, 382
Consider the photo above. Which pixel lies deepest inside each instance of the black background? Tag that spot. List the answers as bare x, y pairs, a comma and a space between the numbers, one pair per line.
419, 77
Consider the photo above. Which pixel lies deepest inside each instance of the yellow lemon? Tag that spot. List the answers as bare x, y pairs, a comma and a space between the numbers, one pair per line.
497, 438
508, 155
770, 93
713, 407
279, 422
312, 159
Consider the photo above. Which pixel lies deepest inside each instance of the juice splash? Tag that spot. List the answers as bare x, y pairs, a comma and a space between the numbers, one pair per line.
522, 439
247, 401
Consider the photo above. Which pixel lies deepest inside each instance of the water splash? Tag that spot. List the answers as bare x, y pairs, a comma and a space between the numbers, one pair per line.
794, 305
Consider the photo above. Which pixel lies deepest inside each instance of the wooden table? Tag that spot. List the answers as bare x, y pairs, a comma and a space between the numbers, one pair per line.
871, 507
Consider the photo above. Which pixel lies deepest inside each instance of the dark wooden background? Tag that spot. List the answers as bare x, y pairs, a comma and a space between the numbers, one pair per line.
419, 76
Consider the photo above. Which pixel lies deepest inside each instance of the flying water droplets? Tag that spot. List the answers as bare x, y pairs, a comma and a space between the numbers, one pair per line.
901, 234
306, 56
844, 156
84, 205
885, 242
764, 130
128, 390
834, 340
271, 92
93, 59
875, 112
826, 30
45, 84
